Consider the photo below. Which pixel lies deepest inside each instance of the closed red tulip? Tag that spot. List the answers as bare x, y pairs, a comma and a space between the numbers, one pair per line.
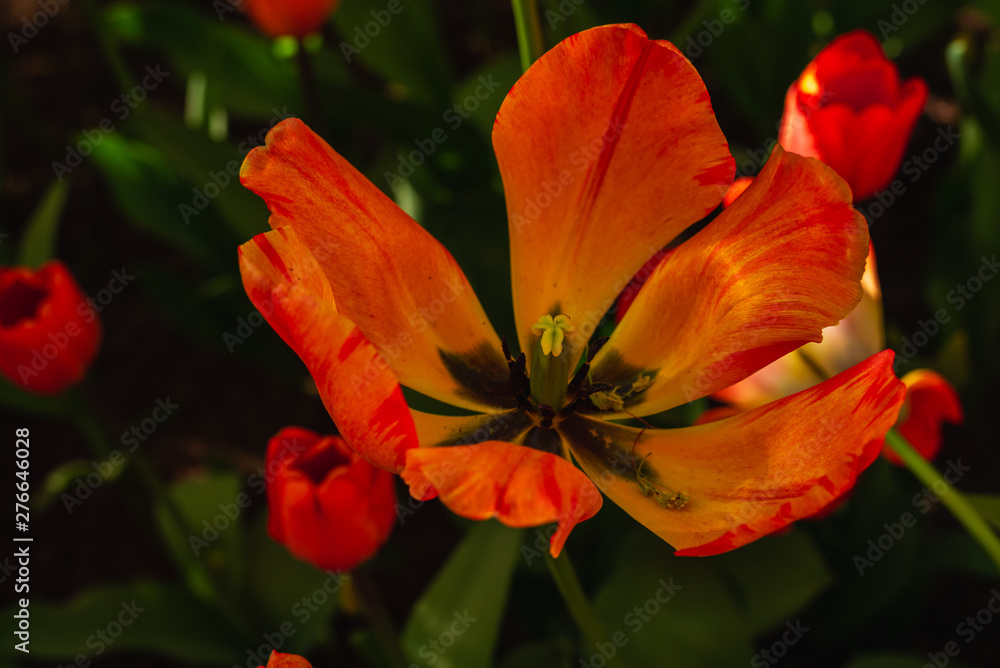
297, 18
327, 505
49, 333
850, 110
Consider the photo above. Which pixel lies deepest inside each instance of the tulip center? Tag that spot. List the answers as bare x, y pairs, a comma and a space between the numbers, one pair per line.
319, 460
549, 366
19, 301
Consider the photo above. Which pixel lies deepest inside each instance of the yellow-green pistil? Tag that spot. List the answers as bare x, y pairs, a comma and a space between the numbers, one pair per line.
549, 367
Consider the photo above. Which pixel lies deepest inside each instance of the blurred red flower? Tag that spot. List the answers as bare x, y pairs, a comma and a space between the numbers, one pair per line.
850, 110
297, 18
49, 334
327, 505
279, 660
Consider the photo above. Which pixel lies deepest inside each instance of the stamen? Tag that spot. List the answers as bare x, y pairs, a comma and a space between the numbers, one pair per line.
553, 331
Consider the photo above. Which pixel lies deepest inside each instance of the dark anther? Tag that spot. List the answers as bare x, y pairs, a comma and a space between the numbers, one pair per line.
519, 384
546, 411
506, 350
597, 387
581, 402
595, 347
578, 378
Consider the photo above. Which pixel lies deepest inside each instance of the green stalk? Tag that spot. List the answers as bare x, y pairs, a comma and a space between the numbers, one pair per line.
530, 44
579, 607
372, 606
953, 500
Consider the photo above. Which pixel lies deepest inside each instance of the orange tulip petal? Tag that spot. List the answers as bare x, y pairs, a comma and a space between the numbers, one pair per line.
520, 486
930, 401
854, 339
287, 286
436, 430
763, 278
387, 275
603, 174
750, 474
279, 660
739, 187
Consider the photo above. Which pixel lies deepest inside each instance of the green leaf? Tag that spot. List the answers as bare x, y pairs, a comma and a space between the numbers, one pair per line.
286, 589
213, 171
404, 47
457, 619
211, 507
241, 72
39, 243
670, 611
147, 191
776, 577
155, 617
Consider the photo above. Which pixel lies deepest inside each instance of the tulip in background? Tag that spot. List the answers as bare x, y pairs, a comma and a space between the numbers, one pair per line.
49, 333
295, 18
850, 110
930, 399
278, 660
346, 277
328, 506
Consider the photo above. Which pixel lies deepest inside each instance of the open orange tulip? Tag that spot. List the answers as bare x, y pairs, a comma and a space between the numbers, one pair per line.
608, 149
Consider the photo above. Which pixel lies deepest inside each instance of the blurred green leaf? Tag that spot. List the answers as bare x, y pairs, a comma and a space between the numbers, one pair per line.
775, 578
241, 72
405, 46
39, 242
287, 590
213, 169
147, 191
211, 506
456, 621
670, 611
59, 479
153, 617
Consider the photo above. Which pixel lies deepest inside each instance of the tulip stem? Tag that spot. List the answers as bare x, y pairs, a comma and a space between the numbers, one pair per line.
579, 607
307, 82
198, 578
953, 500
374, 609
530, 44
